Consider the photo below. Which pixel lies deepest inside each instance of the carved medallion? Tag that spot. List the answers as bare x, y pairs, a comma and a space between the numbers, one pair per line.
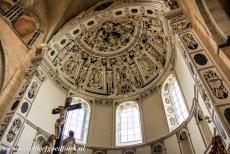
216, 85
24, 107
33, 90
15, 105
23, 89
14, 129
4, 125
200, 59
190, 41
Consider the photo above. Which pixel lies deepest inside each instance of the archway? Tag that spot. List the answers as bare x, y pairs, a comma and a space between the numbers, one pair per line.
26, 26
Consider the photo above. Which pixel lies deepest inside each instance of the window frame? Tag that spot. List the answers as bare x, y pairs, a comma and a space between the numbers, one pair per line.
118, 125
176, 106
84, 124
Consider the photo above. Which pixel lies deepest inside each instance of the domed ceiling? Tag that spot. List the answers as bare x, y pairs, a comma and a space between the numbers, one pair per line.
112, 50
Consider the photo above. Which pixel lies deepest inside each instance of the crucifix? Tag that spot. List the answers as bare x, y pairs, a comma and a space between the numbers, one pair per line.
59, 125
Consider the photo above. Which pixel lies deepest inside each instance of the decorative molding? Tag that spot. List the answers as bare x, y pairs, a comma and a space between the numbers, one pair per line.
96, 59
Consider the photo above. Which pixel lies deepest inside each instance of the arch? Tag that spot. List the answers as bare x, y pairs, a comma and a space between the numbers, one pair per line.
27, 26
100, 152
40, 140
128, 124
129, 152
205, 131
157, 148
78, 121
209, 11
174, 103
185, 143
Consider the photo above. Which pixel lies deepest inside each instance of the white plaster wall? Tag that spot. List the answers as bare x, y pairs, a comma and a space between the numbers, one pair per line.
114, 152
144, 150
206, 113
187, 83
184, 78
101, 126
195, 135
172, 146
86, 151
26, 139
48, 97
202, 105
154, 120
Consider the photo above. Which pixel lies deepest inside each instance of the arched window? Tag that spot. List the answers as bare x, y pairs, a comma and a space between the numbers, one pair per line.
185, 143
78, 121
174, 104
128, 125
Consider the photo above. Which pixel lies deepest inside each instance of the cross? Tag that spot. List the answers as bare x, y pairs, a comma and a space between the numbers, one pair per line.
59, 125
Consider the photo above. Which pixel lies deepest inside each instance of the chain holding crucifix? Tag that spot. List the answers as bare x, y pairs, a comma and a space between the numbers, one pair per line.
59, 125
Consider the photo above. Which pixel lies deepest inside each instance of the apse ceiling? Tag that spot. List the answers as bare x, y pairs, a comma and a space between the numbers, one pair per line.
112, 50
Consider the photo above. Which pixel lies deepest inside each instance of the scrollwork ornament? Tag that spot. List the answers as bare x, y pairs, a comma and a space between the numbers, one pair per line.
33, 90
41, 75
111, 55
30, 72
216, 85
4, 125
17, 123
103, 101
190, 41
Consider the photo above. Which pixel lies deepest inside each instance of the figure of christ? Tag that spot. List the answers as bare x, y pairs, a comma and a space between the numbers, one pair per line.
59, 125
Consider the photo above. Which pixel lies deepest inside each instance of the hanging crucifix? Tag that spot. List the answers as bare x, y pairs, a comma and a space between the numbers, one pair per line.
59, 125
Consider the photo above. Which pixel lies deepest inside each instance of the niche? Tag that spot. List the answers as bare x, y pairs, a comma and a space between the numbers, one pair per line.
129, 152
28, 28
205, 131
158, 148
185, 144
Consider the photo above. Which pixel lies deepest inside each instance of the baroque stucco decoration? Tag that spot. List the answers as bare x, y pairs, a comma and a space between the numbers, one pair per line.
122, 51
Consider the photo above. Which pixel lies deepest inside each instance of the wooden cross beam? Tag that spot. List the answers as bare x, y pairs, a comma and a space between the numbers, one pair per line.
59, 125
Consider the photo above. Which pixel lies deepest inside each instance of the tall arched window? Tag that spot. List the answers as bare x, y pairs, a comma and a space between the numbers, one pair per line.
174, 104
78, 121
128, 125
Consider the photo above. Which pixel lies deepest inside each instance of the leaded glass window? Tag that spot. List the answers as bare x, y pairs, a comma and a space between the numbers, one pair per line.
174, 104
128, 125
78, 121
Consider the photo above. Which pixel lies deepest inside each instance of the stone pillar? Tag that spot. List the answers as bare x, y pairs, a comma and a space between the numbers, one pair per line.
209, 78
13, 121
